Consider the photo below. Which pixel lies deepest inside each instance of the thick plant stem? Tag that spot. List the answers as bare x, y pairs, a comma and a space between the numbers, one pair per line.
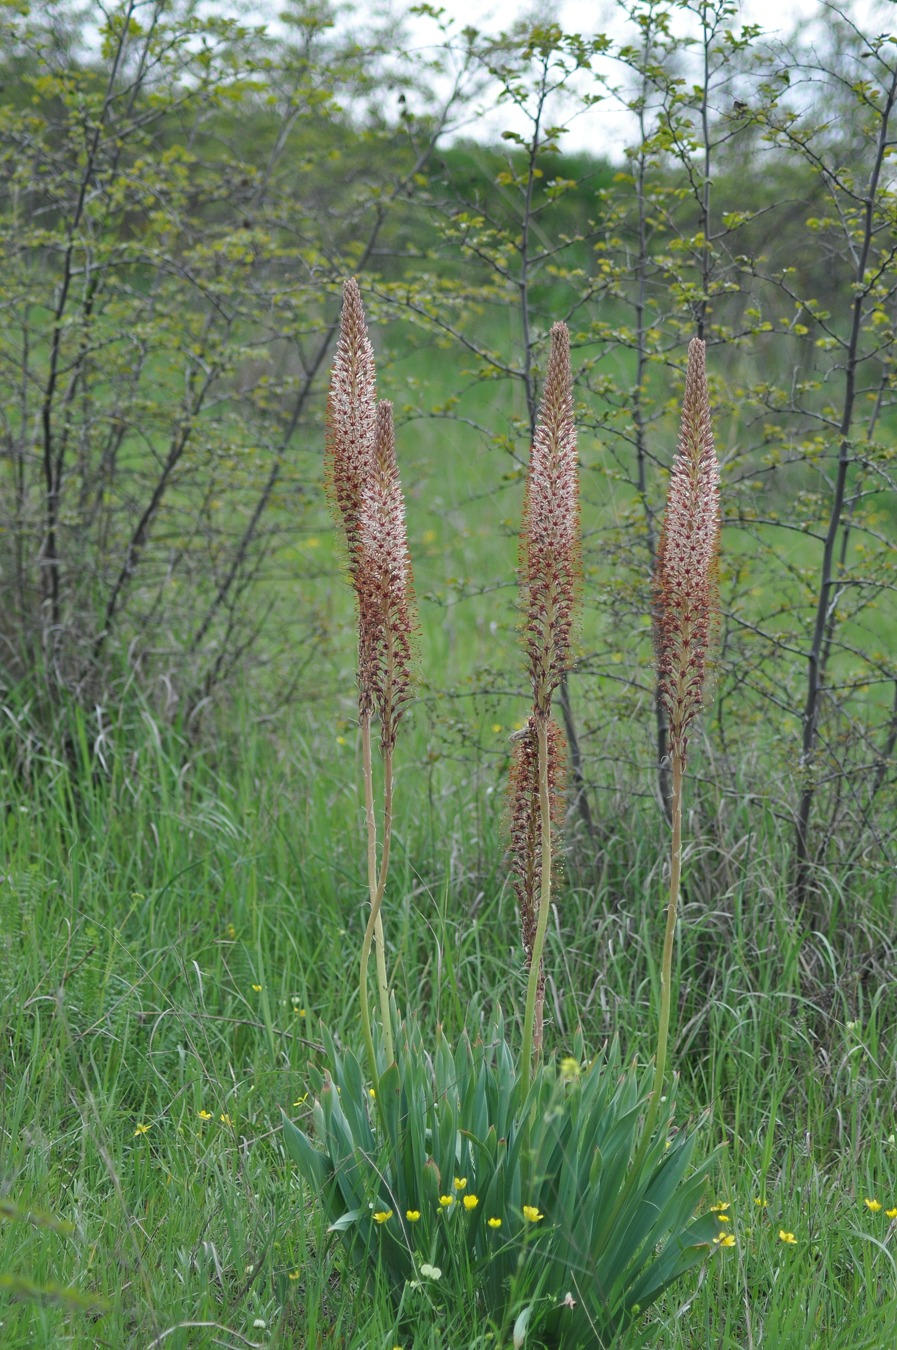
376, 884
532, 1045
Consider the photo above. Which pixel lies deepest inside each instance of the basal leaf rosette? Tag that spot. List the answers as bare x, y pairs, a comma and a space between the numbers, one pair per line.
450, 1168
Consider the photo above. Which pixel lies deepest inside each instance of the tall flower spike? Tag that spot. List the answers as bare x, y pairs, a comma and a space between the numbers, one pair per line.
524, 811
351, 446
685, 580
385, 591
550, 563
550, 570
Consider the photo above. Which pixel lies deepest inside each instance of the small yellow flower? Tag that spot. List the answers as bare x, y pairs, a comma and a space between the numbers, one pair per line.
718, 1208
570, 1068
381, 1215
724, 1218
231, 931
341, 740
204, 1115
372, 1092
874, 1205
760, 1202
496, 728
892, 1213
471, 1201
494, 1223
725, 1239
141, 1129
300, 1101
294, 1274
531, 1214
225, 1118
446, 1200
412, 1215
460, 1183
787, 1237
300, 1012
257, 988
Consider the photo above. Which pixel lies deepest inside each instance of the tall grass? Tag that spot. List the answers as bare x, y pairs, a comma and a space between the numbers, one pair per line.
127, 999
174, 923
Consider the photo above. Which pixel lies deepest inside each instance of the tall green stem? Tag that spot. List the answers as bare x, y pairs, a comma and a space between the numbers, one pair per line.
666, 964
376, 885
535, 967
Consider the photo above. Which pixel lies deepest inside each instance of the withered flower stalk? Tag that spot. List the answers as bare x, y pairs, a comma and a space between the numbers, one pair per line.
525, 812
367, 494
550, 570
685, 614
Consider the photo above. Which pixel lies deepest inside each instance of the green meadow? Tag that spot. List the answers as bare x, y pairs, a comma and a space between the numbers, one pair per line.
181, 918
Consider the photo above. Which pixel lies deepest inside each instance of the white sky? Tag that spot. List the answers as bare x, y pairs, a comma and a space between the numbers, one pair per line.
605, 128
776, 16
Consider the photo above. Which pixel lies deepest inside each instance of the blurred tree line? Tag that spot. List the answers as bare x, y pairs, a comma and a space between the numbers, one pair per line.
181, 194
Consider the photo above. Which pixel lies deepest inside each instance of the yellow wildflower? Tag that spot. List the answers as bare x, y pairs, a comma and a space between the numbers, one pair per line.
471, 1201
257, 988
494, 1223
141, 1129
892, 1213
460, 1183
531, 1213
294, 1274
381, 1215
446, 1200
725, 1239
570, 1068
874, 1205
204, 1115
412, 1215
225, 1118
787, 1237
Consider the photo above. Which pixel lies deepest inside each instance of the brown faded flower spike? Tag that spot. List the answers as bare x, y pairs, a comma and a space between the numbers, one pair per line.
351, 448
550, 564
685, 580
524, 811
386, 621
550, 570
